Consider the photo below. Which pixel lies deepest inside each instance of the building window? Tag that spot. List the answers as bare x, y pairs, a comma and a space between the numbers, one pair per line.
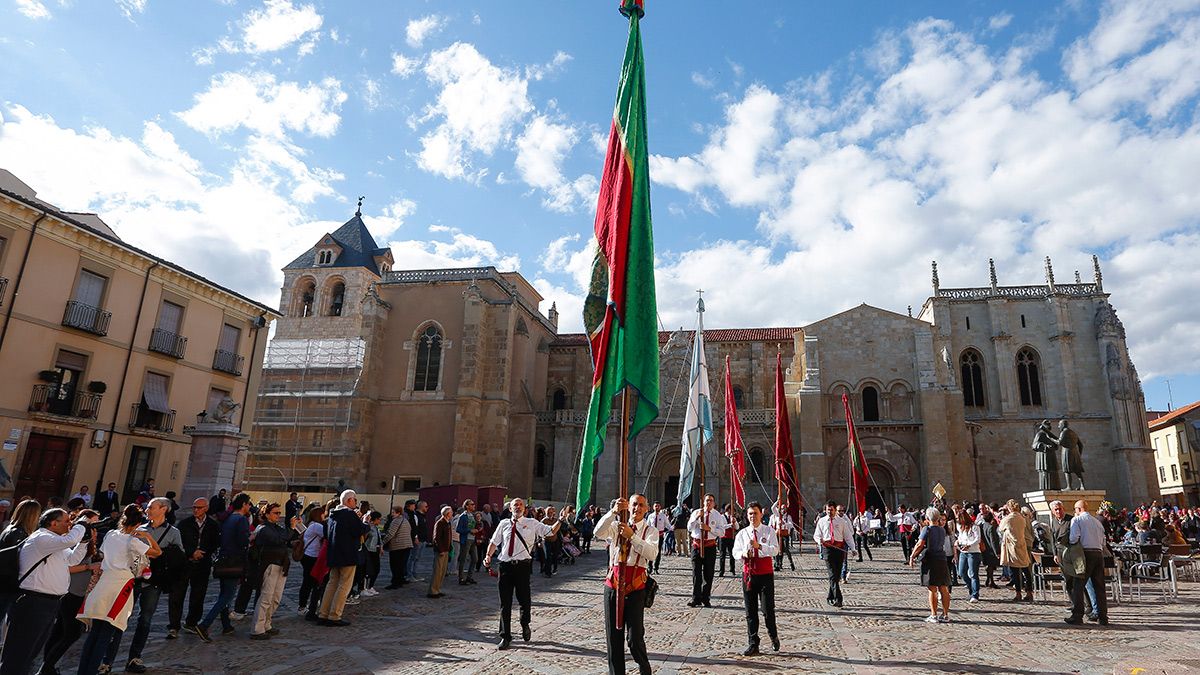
308, 295
1183, 446
1022, 321
318, 438
560, 400
756, 463
325, 257
336, 297
968, 323
1027, 377
139, 470
1155, 442
870, 404
1162, 474
539, 465
972, 378
739, 397
429, 360
270, 438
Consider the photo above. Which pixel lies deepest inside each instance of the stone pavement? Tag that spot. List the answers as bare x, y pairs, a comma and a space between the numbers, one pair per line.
879, 630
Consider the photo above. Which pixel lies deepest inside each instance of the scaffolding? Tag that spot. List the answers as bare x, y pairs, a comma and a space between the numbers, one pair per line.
307, 424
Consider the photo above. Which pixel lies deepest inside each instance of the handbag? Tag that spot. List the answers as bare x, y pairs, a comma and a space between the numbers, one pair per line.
651, 590
229, 566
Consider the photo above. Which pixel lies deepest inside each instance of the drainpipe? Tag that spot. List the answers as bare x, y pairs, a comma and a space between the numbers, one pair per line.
17, 284
112, 427
250, 373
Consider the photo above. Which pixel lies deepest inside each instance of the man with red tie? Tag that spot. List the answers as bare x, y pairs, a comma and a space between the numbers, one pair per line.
756, 545
705, 528
514, 538
835, 537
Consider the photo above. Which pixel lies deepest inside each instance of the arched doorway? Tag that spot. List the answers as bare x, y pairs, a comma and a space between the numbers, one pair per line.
882, 491
663, 482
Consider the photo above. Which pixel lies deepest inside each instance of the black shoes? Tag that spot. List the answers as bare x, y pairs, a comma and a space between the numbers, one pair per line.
505, 643
775, 643
526, 634
693, 603
707, 604
202, 631
1074, 621
752, 650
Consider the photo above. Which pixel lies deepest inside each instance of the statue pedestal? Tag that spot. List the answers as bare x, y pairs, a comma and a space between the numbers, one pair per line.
1040, 500
212, 461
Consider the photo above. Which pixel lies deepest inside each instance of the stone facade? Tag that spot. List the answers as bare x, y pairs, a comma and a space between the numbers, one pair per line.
952, 395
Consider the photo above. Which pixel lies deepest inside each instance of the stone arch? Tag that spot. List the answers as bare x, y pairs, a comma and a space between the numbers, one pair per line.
1028, 363
304, 296
837, 413
901, 465
662, 478
898, 401
334, 296
426, 364
972, 373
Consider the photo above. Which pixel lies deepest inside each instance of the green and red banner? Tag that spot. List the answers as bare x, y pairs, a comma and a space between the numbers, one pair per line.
785, 460
859, 473
620, 312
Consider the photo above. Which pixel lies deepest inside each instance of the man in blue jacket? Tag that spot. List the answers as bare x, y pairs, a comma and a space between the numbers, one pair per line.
344, 531
235, 539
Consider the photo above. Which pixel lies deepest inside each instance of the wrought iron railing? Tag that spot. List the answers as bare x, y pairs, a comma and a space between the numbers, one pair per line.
142, 417
166, 342
55, 399
3, 289
228, 362
86, 318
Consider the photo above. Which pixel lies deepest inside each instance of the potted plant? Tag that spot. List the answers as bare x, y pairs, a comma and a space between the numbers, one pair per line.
48, 375
97, 387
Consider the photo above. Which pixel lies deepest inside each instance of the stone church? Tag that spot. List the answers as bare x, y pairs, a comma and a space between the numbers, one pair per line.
454, 376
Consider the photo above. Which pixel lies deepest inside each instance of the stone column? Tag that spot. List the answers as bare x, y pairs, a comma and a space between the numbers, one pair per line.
212, 462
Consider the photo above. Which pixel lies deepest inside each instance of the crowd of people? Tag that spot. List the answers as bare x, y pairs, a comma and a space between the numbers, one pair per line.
82, 568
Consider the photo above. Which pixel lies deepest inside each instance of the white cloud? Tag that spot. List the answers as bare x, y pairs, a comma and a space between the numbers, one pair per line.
462, 250
703, 81
258, 102
131, 7
277, 25
33, 9
556, 255
372, 94
403, 65
419, 30
556, 64
1000, 21
477, 108
541, 150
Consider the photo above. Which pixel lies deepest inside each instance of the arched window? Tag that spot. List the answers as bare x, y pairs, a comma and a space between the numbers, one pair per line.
336, 297
308, 294
429, 360
325, 257
870, 403
739, 398
756, 463
1027, 377
539, 465
972, 378
560, 400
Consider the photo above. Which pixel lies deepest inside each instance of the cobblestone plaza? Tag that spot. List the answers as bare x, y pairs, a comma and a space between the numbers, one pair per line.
879, 630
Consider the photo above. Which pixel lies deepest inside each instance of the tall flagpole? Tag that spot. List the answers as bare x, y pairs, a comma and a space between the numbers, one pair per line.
700, 329
624, 517
778, 480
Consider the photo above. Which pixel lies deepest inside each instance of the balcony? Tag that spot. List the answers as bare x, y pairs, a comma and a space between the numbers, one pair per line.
143, 418
166, 342
53, 399
3, 289
228, 362
86, 318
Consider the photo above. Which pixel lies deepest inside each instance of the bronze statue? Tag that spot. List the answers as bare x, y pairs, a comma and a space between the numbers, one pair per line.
1072, 454
1044, 446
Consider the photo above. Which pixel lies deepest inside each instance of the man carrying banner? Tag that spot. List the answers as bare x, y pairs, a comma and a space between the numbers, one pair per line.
514, 538
640, 543
781, 522
755, 545
835, 536
705, 528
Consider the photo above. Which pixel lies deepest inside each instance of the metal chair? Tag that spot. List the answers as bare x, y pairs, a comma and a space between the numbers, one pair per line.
1112, 579
1046, 573
1152, 571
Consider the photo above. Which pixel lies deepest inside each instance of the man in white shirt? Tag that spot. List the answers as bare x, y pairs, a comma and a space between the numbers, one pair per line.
513, 539
632, 547
660, 521
85, 495
908, 527
862, 532
43, 578
783, 524
835, 536
704, 527
755, 545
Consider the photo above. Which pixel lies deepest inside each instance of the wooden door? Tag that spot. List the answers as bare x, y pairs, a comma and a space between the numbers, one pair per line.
43, 472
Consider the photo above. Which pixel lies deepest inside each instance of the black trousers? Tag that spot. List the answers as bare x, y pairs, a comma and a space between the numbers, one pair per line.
860, 543
760, 593
1094, 570
725, 551
398, 563
514, 578
704, 563
785, 548
193, 581
834, 558
633, 631
66, 631
906, 545
29, 624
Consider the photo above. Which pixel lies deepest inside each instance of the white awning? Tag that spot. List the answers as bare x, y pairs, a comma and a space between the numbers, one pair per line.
155, 393
1177, 490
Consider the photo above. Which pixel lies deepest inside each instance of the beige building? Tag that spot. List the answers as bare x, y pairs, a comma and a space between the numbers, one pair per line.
1175, 437
453, 376
108, 352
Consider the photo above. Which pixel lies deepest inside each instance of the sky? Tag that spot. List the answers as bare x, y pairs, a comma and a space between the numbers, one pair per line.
806, 157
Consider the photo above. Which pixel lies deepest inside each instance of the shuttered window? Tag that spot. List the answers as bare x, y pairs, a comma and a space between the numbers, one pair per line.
155, 393
90, 289
170, 317
230, 336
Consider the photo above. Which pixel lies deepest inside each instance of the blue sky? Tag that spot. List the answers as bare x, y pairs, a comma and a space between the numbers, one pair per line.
807, 156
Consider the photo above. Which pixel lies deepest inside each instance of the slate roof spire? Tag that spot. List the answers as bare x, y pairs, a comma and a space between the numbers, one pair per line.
358, 247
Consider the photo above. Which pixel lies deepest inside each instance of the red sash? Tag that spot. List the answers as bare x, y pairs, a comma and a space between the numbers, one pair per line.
756, 564
830, 543
633, 576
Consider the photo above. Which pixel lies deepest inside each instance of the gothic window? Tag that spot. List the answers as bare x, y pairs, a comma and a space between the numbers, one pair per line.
308, 294
756, 463
325, 257
870, 404
1027, 377
429, 360
739, 398
972, 378
560, 400
336, 298
539, 468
